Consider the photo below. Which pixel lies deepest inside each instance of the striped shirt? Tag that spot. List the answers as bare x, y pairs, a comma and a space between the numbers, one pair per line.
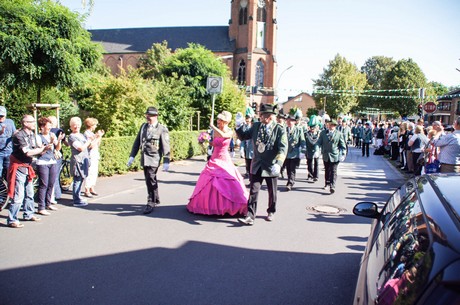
449, 145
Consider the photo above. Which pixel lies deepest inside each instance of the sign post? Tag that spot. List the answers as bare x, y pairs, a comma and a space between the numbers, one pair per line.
214, 86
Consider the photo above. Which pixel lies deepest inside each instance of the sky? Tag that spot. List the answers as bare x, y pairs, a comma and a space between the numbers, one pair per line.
312, 32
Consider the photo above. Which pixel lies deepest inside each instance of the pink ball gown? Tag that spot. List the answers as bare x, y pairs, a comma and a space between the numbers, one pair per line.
220, 188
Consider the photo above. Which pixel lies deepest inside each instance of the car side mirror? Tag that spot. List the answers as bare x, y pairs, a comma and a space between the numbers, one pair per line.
366, 209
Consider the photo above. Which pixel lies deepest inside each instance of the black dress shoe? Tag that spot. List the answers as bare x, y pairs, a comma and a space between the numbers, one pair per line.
148, 209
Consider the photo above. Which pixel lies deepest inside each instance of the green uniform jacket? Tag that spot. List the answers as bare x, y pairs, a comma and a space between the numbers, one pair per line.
331, 147
346, 131
296, 142
276, 147
367, 135
312, 143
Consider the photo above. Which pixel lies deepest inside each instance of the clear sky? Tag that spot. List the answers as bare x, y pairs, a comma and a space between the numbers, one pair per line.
312, 32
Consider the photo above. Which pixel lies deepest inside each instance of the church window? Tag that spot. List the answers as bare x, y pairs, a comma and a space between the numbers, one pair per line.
242, 73
260, 73
261, 20
261, 14
243, 17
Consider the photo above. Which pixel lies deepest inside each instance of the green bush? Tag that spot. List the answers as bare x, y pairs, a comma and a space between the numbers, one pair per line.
115, 151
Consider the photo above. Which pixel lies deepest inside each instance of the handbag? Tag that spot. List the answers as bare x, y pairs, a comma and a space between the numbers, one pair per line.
434, 166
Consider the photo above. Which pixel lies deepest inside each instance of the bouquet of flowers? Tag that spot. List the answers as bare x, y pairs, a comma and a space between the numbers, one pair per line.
204, 138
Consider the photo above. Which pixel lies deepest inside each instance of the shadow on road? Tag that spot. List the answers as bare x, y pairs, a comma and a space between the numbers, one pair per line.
194, 273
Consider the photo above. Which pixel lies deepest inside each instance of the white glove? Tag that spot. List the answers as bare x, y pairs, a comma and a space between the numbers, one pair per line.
275, 170
239, 120
165, 167
342, 156
130, 161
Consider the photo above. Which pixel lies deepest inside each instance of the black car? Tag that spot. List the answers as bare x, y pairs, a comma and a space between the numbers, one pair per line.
413, 252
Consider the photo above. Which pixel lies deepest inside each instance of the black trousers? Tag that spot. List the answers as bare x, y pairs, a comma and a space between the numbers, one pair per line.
312, 165
330, 174
150, 174
291, 165
248, 167
365, 149
394, 150
417, 167
254, 188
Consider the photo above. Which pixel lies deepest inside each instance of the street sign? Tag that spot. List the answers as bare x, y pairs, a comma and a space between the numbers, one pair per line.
429, 107
214, 85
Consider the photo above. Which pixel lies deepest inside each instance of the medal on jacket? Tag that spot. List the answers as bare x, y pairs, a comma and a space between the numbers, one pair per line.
261, 147
262, 139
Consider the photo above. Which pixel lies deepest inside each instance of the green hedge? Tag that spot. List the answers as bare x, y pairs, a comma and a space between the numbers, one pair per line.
115, 151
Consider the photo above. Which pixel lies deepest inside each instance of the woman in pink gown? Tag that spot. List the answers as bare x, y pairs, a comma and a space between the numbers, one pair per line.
220, 188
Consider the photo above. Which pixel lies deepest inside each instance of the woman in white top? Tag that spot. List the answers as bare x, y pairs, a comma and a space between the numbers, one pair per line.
46, 165
94, 155
417, 144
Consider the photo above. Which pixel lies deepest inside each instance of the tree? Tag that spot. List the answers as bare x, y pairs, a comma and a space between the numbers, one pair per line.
337, 82
43, 45
119, 103
173, 98
151, 62
435, 89
17, 102
193, 65
376, 69
406, 74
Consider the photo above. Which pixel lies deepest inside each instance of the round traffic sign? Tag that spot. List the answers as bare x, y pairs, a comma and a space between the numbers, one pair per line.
429, 107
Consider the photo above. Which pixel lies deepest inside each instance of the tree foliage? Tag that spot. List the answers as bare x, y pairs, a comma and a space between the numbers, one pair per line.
43, 45
119, 103
339, 75
151, 63
180, 79
376, 69
173, 98
194, 65
405, 74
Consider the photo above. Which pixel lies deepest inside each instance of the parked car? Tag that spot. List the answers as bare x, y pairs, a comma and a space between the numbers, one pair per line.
413, 251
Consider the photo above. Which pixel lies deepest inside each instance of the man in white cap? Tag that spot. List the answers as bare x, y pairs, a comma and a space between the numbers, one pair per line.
7, 128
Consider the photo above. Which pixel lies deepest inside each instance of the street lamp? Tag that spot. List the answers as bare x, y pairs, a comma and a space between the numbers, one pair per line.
279, 78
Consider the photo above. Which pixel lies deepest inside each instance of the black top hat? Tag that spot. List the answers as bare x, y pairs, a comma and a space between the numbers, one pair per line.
268, 108
152, 111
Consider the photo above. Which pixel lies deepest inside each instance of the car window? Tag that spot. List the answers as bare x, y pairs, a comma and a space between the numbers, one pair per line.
398, 254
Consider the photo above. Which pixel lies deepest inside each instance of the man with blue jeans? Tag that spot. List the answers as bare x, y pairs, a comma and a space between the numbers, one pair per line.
21, 173
7, 129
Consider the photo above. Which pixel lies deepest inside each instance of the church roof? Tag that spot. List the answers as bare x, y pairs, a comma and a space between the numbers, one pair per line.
139, 40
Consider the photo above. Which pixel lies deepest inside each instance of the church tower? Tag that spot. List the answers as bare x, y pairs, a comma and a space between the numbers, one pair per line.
253, 28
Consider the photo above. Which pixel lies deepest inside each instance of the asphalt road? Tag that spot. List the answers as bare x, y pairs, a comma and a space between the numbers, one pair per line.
109, 253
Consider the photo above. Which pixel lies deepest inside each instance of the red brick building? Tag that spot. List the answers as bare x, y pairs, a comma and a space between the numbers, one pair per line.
247, 45
448, 108
302, 101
